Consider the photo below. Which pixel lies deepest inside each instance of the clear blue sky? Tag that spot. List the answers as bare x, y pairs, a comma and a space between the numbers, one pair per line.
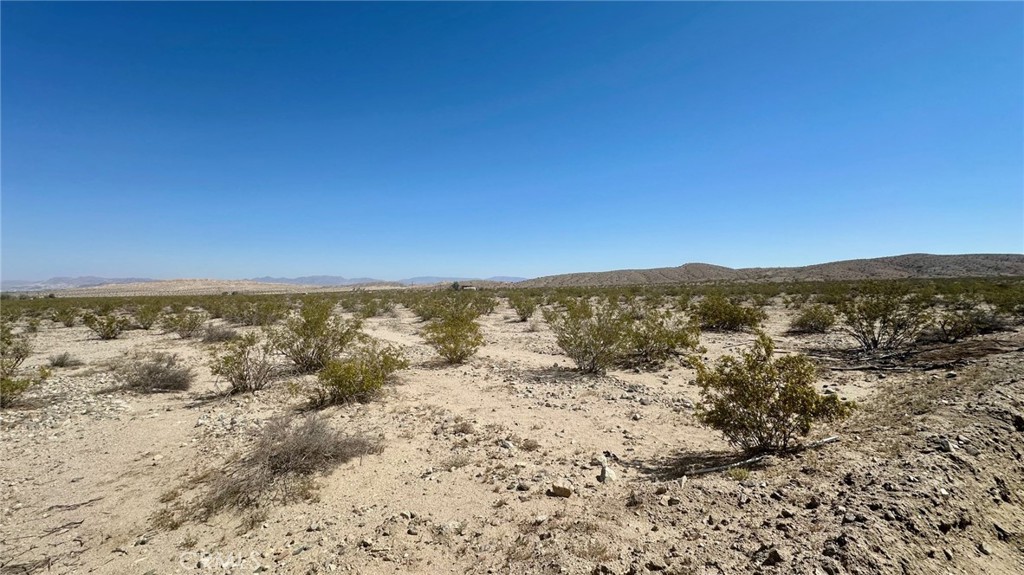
391, 140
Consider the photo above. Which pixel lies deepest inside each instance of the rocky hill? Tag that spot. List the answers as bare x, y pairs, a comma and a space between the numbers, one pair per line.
895, 267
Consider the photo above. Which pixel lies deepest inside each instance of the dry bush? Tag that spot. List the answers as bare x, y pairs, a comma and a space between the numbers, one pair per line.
65, 315
965, 317
592, 335
246, 364
219, 334
314, 336
65, 359
281, 464
147, 314
761, 403
14, 350
817, 318
155, 373
358, 377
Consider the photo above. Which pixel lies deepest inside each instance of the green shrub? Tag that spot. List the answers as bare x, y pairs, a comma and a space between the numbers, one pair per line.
965, 317
11, 389
14, 350
158, 372
760, 403
245, 363
65, 315
885, 316
717, 313
654, 336
106, 326
359, 376
186, 324
314, 336
147, 314
817, 318
454, 334
592, 335
523, 304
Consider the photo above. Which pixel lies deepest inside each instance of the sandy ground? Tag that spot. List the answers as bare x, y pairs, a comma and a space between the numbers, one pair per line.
926, 478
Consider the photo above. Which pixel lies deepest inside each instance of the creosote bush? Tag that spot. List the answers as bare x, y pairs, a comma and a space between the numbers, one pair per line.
885, 316
155, 373
590, 334
107, 326
524, 305
358, 377
965, 317
653, 336
718, 313
65, 315
186, 324
454, 333
14, 350
761, 403
314, 336
816, 318
147, 314
246, 363
219, 334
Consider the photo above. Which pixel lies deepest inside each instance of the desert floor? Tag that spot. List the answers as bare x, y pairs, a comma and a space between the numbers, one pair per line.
926, 477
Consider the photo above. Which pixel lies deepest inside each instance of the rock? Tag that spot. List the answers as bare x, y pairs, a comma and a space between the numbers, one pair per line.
412, 531
776, 556
656, 565
984, 548
523, 486
560, 489
540, 519
948, 553
813, 503
607, 474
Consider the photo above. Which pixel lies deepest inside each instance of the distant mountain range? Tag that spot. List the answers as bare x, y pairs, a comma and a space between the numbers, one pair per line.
895, 267
62, 283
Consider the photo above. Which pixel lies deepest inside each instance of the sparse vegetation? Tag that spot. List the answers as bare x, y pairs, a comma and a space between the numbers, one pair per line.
65, 315
455, 334
147, 314
219, 334
716, 312
314, 336
107, 326
523, 304
885, 316
186, 324
155, 373
246, 363
64, 359
761, 403
592, 335
816, 318
653, 336
359, 376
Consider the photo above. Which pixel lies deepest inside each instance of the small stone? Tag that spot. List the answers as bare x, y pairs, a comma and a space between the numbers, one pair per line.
608, 475
540, 519
775, 557
984, 548
948, 553
412, 531
656, 565
560, 489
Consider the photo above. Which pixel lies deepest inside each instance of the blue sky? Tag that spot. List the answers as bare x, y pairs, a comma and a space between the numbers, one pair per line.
231, 140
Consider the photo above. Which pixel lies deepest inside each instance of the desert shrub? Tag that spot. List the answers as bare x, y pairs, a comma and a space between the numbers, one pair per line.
285, 456
157, 372
965, 317
65, 315
885, 316
64, 359
592, 335
718, 313
219, 334
186, 324
314, 336
147, 314
654, 336
359, 376
14, 350
374, 307
260, 312
523, 304
245, 363
12, 388
106, 326
816, 318
1007, 300
455, 334
761, 403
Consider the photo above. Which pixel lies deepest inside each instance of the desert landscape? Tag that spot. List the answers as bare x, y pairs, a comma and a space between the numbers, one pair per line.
511, 460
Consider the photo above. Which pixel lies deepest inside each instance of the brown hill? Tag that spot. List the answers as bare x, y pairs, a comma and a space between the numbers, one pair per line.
894, 267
